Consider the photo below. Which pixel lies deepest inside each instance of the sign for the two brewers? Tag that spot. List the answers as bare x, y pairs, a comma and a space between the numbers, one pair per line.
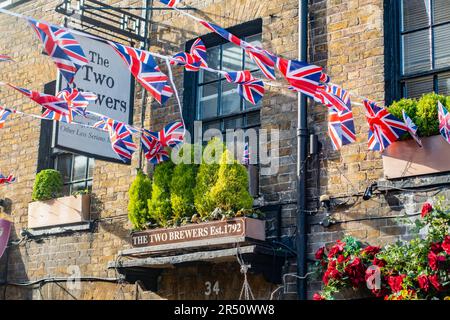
107, 76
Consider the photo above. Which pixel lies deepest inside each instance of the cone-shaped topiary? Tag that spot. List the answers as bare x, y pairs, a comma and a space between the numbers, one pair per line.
231, 189
207, 176
140, 192
160, 209
48, 185
182, 186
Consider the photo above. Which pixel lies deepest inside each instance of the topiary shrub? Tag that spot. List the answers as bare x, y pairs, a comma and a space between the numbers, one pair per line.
207, 176
410, 107
139, 194
159, 206
230, 193
48, 185
427, 114
182, 187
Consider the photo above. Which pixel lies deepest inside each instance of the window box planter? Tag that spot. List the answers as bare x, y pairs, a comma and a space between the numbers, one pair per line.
406, 159
238, 230
61, 211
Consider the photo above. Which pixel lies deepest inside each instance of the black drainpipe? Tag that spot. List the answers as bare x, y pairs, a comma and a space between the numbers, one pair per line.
302, 156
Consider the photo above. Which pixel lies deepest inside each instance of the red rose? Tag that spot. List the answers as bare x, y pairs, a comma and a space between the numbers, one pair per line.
424, 284
434, 279
434, 260
396, 282
337, 248
436, 247
341, 259
371, 251
356, 272
426, 209
320, 254
318, 297
378, 262
446, 244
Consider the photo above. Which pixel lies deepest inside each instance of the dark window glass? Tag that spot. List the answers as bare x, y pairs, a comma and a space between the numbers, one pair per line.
77, 172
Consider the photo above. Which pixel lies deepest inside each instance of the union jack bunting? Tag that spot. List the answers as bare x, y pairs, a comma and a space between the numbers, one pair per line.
341, 127
52, 115
170, 3
334, 96
263, 58
4, 57
249, 88
246, 156
51, 103
412, 128
444, 122
144, 68
171, 136
303, 77
7, 180
76, 100
324, 78
153, 149
4, 114
198, 50
121, 136
62, 47
196, 59
384, 128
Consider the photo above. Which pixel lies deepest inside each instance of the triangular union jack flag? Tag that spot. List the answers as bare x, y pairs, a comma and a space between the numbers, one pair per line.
4, 114
412, 128
195, 60
341, 127
121, 136
153, 149
334, 96
249, 88
77, 100
262, 58
62, 47
444, 122
144, 68
53, 104
170, 3
384, 128
7, 180
302, 77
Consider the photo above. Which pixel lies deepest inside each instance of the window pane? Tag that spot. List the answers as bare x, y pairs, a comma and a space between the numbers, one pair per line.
416, 52
416, 14
233, 123
444, 84
232, 57
417, 87
231, 100
214, 63
211, 125
441, 11
91, 168
79, 168
208, 100
253, 119
65, 166
442, 46
256, 41
79, 187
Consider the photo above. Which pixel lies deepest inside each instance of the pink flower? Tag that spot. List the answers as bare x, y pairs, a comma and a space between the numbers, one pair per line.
318, 297
337, 248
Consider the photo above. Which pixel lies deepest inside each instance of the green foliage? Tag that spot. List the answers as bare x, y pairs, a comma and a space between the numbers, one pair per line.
182, 187
231, 189
206, 179
48, 185
139, 194
159, 206
423, 112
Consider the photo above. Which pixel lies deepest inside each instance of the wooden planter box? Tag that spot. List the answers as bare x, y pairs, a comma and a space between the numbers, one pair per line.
214, 233
61, 211
407, 159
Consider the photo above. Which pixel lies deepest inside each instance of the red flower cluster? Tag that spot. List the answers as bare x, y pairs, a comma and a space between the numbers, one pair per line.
396, 282
426, 209
337, 248
356, 272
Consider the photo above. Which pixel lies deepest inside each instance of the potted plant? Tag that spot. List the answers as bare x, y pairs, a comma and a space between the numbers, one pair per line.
405, 158
49, 208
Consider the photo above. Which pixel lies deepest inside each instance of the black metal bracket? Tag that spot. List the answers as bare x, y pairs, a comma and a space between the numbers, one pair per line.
116, 22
